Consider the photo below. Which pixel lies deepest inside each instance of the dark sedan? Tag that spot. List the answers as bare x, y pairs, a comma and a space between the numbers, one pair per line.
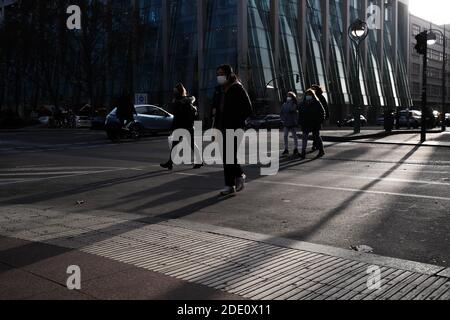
271, 121
350, 122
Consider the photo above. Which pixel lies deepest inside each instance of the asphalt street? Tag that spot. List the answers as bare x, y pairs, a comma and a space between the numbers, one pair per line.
393, 198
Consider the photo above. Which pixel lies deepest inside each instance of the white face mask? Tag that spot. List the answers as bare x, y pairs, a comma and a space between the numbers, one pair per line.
289, 99
222, 80
309, 98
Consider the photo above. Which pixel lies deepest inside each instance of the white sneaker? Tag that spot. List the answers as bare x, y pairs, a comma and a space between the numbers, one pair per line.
240, 183
228, 191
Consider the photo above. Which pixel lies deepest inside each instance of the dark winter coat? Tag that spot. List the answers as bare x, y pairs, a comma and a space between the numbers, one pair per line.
125, 109
237, 107
289, 114
312, 115
184, 113
324, 103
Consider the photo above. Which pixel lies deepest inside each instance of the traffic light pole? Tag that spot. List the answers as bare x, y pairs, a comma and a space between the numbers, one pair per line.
424, 95
444, 85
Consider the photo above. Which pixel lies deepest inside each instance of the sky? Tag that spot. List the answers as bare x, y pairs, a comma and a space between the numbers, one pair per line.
436, 11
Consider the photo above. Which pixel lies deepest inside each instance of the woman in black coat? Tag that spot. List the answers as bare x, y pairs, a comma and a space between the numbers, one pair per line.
312, 116
231, 107
184, 113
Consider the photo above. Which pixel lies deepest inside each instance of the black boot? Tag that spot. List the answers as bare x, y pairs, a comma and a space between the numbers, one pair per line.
168, 165
199, 166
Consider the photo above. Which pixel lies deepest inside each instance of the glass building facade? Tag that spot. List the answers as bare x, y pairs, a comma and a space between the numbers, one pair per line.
291, 44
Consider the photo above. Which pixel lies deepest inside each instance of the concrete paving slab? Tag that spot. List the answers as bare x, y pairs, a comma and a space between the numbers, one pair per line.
106, 279
16, 284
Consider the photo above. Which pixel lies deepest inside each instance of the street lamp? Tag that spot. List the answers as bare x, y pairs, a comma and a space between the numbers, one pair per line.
358, 32
431, 41
271, 87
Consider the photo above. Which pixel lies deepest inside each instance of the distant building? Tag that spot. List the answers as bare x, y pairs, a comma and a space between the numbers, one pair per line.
435, 61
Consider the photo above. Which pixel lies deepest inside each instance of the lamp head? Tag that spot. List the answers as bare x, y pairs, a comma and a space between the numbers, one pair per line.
431, 38
359, 29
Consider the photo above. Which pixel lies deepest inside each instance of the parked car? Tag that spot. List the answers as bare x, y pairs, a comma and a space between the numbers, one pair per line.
82, 122
99, 119
380, 120
415, 119
44, 120
350, 122
271, 121
149, 120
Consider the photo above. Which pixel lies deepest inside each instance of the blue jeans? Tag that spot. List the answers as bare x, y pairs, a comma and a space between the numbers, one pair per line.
317, 140
293, 131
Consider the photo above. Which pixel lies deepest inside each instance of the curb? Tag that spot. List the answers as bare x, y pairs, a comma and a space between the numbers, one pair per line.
380, 135
398, 143
406, 265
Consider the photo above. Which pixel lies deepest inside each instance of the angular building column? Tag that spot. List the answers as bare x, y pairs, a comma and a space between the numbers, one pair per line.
275, 33
326, 35
302, 29
381, 41
407, 44
243, 41
395, 34
345, 25
275, 36
165, 15
365, 44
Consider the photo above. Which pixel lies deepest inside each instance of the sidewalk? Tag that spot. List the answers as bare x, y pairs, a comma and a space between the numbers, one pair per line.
435, 138
124, 256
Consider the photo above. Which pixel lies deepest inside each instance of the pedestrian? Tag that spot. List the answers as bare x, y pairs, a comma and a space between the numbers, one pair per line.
289, 117
126, 110
231, 107
320, 95
185, 114
312, 116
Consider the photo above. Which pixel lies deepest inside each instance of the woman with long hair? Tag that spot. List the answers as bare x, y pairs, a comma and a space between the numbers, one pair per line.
184, 113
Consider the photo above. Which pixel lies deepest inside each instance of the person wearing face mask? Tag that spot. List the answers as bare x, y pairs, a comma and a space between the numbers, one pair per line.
312, 116
289, 117
231, 107
184, 113
320, 95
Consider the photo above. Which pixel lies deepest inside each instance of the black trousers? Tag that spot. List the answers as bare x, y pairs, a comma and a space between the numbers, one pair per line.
232, 171
194, 147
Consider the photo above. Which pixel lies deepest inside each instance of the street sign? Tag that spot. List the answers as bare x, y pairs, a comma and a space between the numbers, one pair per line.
141, 98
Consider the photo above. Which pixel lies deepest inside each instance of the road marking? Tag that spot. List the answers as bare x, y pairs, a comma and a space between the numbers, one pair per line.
83, 173
56, 168
301, 185
397, 194
352, 176
45, 173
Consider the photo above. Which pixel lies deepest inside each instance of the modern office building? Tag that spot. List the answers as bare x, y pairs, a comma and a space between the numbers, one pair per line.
301, 42
435, 63
153, 44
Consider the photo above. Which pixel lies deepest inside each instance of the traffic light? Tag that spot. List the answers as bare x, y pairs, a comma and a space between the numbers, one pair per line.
422, 45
